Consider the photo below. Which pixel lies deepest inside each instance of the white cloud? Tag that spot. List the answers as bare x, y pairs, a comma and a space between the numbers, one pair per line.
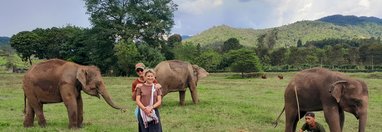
197, 7
194, 16
364, 3
305, 7
289, 11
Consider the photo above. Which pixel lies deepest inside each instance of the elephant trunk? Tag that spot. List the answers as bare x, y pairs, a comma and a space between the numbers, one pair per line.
362, 120
108, 99
362, 123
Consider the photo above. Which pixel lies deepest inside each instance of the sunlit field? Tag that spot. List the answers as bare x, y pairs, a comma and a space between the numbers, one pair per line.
234, 105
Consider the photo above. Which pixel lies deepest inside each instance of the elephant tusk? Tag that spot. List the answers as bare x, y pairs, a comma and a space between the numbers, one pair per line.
99, 93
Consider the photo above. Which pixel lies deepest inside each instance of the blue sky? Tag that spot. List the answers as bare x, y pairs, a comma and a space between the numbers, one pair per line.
192, 16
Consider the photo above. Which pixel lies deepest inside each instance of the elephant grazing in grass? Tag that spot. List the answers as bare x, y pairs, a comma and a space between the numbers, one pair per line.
321, 89
55, 81
175, 75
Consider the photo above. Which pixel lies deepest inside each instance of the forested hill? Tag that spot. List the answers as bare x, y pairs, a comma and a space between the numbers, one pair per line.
288, 35
4, 40
222, 33
350, 20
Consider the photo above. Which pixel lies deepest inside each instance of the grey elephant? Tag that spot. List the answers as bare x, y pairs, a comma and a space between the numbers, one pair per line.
55, 81
176, 76
321, 89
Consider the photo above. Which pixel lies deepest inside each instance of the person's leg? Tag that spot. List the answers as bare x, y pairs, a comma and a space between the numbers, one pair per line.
141, 125
136, 112
160, 122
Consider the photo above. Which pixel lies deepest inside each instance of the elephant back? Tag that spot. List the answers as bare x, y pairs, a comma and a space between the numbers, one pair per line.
47, 65
173, 66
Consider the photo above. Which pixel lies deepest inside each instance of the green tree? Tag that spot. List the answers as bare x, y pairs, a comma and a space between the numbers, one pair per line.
243, 61
263, 54
56, 42
149, 56
231, 44
146, 20
299, 56
101, 49
127, 55
25, 43
336, 54
352, 55
167, 51
278, 57
78, 48
186, 52
209, 60
272, 38
167, 48
174, 40
370, 54
260, 41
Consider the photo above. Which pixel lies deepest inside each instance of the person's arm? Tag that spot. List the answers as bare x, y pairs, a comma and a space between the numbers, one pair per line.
140, 105
133, 90
156, 105
159, 102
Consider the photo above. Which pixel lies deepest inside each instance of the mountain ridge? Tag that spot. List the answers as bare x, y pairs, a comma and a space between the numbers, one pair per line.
288, 35
4, 40
349, 19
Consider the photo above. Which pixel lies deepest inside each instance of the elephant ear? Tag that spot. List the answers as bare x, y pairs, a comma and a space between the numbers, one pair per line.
199, 72
81, 76
337, 89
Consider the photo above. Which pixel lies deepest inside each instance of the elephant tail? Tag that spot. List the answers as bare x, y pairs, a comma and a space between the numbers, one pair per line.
278, 118
25, 103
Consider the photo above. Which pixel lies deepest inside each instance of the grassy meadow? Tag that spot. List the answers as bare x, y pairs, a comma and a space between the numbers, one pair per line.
234, 105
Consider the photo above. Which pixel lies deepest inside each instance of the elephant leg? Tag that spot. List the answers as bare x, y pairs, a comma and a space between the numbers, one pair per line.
71, 106
80, 111
29, 116
37, 108
70, 101
297, 119
332, 117
40, 115
182, 96
194, 93
291, 119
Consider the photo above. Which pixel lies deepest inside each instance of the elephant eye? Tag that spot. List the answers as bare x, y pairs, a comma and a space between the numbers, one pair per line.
357, 102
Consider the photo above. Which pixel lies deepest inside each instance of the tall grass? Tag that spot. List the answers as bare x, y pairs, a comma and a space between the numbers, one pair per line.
225, 105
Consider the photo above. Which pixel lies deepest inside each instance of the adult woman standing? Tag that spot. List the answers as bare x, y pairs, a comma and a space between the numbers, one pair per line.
148, 99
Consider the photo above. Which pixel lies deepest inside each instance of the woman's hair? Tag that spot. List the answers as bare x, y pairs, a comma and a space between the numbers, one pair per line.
149, 71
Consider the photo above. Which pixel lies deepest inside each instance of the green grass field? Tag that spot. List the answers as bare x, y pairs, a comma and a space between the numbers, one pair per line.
234, 105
